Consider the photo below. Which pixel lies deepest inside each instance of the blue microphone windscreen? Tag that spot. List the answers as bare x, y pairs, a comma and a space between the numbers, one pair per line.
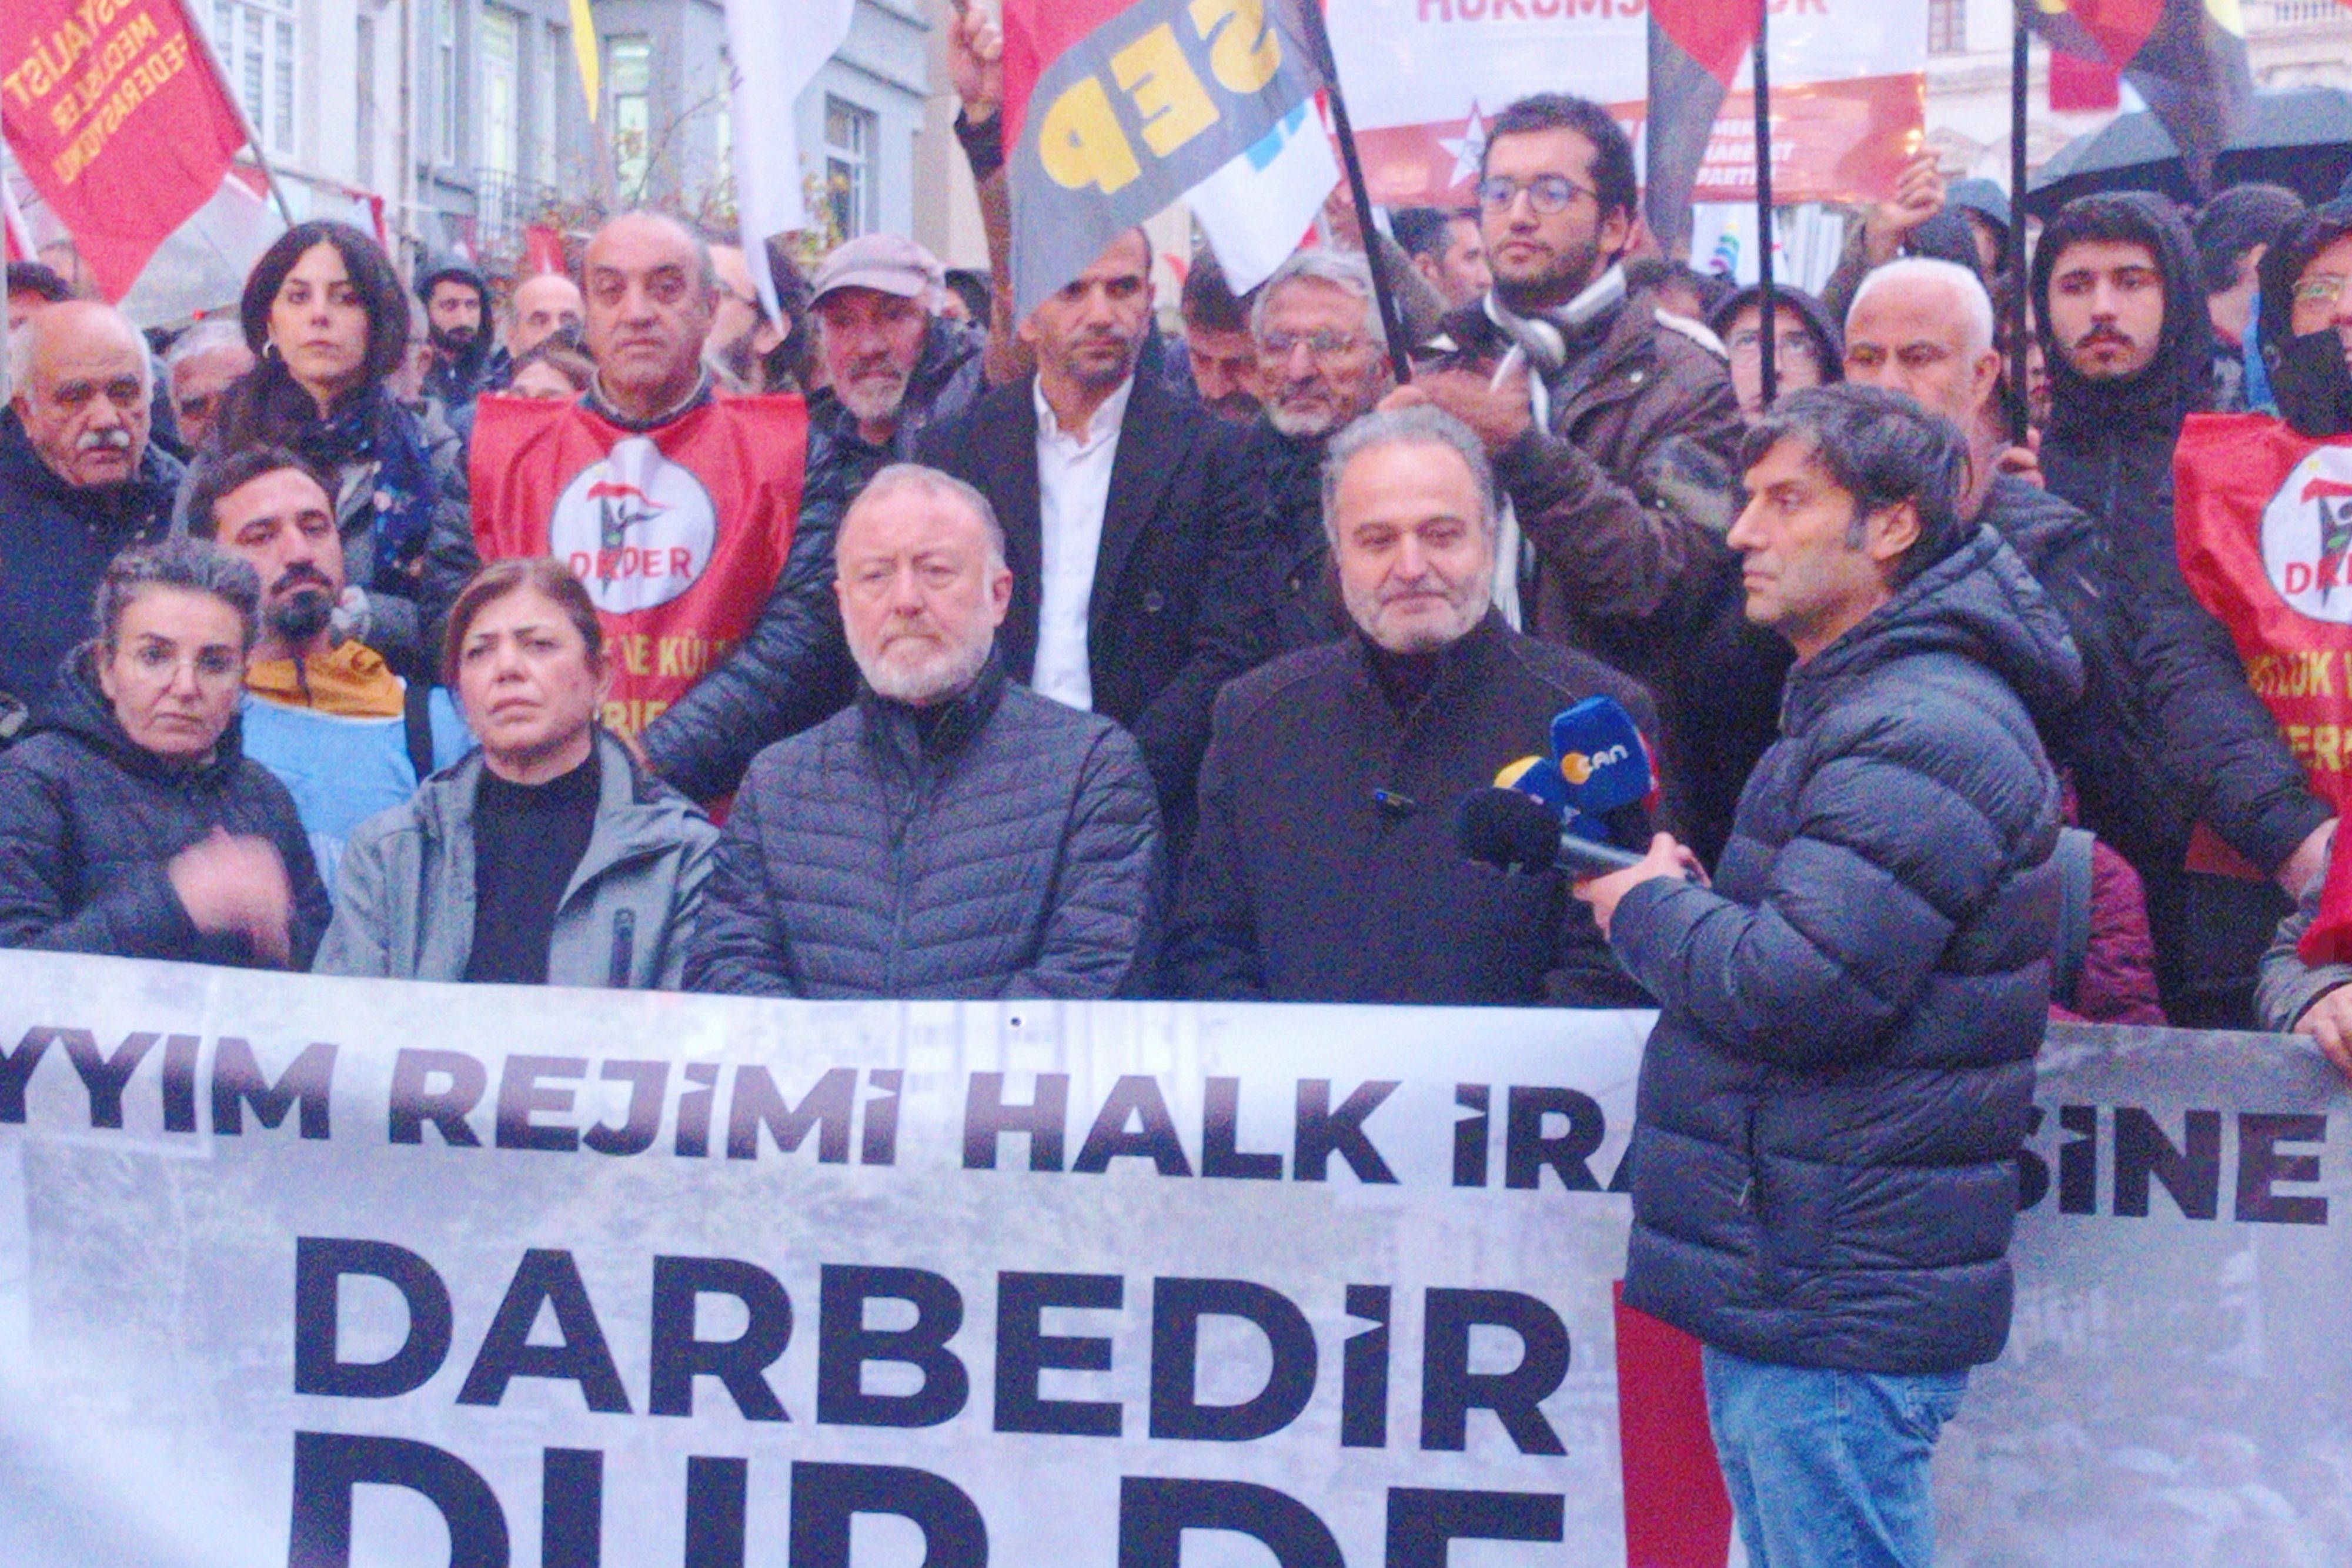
1603, 760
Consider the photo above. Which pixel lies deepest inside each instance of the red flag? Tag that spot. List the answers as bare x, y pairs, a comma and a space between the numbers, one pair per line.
2077, 84
1695, 48
2264, 519
678, 533
542, 249
113, 108
1677, 1513
2185, 57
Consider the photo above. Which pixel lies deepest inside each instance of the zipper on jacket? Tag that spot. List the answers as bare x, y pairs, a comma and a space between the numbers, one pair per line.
624, 948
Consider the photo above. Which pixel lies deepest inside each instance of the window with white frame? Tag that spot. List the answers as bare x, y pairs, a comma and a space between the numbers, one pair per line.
257, 43
498, 70
629, 77
450, 90
851, 135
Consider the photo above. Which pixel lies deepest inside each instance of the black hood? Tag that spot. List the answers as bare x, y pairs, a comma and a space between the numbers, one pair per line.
1979, 602
78, 708
2308, 374
2180, 380
1816, 315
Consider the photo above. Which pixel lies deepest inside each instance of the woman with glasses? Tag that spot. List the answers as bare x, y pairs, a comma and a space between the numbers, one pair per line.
130, 823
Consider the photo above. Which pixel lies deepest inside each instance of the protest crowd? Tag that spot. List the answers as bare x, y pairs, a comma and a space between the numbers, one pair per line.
597, 631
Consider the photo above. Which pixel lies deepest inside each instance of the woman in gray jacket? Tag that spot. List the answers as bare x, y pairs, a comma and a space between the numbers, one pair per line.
545, 858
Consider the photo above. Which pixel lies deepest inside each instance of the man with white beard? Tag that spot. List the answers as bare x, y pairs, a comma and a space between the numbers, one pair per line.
950, 833
896, 368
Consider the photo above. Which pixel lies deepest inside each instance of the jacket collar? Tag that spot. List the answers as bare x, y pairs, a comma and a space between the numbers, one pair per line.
913, 735
595, 401
636, 817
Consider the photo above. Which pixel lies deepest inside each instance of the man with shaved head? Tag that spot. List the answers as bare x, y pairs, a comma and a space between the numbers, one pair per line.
2140, 750
79, 481
699, 523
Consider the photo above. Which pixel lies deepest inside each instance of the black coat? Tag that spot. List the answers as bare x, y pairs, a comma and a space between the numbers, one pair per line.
89, 821
1165, 626
1831, 1105
1303, 885
999, 846
56, 539
2109, 453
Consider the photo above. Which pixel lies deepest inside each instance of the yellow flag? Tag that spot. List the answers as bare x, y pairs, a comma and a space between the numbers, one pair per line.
583, 46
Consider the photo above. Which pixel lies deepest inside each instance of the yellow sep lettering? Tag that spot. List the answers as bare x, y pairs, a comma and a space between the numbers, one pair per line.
1244, 56
1174, 105
1080, 143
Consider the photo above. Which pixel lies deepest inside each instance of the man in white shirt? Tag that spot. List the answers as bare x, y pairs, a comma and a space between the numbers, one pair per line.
1125, 522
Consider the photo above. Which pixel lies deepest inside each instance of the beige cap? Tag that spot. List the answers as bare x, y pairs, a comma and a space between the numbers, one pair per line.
890, 264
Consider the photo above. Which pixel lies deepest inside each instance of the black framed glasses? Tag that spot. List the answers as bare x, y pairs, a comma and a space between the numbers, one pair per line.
1547, 194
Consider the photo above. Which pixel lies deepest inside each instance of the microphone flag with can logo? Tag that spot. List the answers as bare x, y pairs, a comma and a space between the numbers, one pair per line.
678, 533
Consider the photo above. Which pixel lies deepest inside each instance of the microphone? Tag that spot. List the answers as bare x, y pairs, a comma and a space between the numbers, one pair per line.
1516, 831
1606, 771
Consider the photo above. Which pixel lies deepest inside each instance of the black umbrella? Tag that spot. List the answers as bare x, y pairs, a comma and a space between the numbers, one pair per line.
2301, 139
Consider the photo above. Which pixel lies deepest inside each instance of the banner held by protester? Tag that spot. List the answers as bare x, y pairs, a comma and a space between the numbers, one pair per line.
116, 117
1113, 109
363, 1271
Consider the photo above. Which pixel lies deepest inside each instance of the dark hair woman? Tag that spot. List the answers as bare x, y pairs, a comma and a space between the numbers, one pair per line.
328, 316
130, 823
545, 858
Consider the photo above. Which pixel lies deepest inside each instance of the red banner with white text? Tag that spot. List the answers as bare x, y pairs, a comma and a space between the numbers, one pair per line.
113, 112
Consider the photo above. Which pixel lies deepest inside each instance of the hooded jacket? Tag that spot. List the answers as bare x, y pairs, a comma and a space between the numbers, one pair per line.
481, 362
1830, 1109
404, 895
2109, 452
56, 539
793, 669
90, 821
2308, 374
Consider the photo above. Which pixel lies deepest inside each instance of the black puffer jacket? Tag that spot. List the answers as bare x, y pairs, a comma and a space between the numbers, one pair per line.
1831, 1103
56, 539
999, 846
1324, 868
793, 669
89, 822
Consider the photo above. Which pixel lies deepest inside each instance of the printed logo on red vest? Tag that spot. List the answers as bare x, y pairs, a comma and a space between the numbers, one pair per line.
637, 530
2308, 537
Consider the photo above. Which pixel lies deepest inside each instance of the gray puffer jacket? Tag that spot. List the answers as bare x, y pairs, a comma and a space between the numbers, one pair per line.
997, 845
404, 895
1831, 1105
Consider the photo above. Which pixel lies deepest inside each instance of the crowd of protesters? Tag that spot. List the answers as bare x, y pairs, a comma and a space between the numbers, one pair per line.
1081, 660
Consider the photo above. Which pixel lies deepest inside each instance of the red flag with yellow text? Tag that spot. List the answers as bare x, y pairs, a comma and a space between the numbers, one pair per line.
2263, 521
114, 113
678, 533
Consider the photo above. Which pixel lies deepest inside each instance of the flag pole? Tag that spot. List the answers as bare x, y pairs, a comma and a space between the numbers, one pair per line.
2019, 414
1768, 310
1319, 41
252, 137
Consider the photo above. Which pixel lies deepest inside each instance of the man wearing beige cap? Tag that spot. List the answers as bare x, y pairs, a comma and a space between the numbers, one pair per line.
895, 368
893, 364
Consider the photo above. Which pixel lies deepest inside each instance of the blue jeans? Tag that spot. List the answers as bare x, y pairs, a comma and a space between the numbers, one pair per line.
1829, 1469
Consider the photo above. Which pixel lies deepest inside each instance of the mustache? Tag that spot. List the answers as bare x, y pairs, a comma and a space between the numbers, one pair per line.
295, 576
2104, 335
112, 439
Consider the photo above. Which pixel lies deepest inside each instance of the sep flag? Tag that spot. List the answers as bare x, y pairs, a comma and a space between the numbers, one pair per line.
113, 112
678, 533
1113, 109
2185, 57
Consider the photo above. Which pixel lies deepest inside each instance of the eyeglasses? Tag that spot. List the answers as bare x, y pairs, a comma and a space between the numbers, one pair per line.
1324, 345
1547, 194
1749, 344
2326, 289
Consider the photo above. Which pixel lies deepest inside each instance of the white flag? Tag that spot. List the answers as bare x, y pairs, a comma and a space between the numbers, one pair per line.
1257, 208
777, 48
